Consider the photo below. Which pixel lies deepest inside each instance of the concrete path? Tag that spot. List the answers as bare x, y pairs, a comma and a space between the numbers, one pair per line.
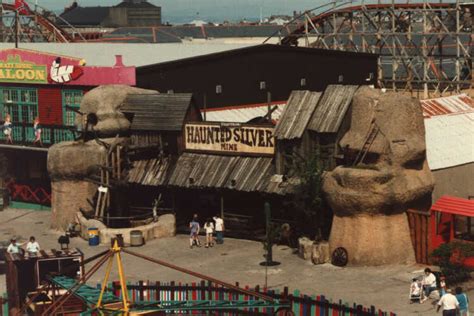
238, 260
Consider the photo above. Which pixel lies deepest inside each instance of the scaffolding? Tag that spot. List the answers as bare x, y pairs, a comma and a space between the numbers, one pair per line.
422, 46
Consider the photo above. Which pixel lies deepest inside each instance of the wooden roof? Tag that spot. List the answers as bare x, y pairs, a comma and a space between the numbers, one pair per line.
245, 174
332, 108
158, 112
296, 114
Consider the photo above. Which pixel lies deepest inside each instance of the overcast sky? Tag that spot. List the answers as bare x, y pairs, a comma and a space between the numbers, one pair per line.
205, 9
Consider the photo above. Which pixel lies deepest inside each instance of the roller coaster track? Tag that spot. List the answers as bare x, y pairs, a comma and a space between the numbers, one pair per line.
36, 25
422, 46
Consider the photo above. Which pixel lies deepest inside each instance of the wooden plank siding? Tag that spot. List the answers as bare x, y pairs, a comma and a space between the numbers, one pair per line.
419, 232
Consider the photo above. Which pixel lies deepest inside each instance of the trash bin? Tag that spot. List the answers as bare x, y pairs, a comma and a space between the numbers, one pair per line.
93, 236
136, 238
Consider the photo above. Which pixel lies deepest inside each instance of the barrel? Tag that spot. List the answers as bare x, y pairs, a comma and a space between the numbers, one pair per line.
93, 236
136, 238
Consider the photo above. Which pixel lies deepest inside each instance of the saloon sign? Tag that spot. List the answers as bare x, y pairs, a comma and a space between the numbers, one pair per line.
15, 70
229, 138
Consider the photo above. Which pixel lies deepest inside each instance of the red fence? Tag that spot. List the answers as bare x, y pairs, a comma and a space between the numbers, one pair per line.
28, 193
301, 305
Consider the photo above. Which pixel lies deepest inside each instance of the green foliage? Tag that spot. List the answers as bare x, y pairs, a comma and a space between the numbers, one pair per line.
307, 196
449, 258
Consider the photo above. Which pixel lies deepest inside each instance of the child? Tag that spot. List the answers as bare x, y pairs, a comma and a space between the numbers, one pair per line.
37, 129
194, 235
442, 285
209, 227
415, 291
463, 302
7, 128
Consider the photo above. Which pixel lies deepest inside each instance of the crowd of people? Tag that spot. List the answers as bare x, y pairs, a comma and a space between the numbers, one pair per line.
451, 304
213, 228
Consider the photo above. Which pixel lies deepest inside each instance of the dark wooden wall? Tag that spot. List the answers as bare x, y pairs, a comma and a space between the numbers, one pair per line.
240, 74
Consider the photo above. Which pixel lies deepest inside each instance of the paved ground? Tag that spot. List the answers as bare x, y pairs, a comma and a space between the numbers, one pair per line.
237, 260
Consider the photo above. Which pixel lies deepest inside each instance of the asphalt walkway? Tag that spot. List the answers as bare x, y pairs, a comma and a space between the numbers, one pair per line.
238, 261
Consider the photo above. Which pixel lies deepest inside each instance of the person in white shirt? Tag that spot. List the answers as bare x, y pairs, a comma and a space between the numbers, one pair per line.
32, 247
450, 304
219, 229
209, 228
14, 247
429, 283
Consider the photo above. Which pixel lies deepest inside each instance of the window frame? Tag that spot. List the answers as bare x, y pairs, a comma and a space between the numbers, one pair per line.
75, 104
17, 105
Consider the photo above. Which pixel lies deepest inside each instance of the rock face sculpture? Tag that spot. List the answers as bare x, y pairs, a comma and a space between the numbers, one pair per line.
70, 162
388, 174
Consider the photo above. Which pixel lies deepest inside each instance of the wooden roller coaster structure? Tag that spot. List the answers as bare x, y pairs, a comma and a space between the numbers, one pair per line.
422, 45
32, 23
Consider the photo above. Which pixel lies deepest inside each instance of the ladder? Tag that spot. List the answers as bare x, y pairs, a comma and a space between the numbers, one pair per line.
369, 140
110, 169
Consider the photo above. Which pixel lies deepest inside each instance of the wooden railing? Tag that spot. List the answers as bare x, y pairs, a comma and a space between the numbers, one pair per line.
24, 134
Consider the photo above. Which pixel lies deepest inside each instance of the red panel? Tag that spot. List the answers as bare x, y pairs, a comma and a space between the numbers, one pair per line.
50, 106
454, 205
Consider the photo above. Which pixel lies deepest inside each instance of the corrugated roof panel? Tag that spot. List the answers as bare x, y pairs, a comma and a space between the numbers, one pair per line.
449, 140
296, 114
454, 205
461, 103
332, 108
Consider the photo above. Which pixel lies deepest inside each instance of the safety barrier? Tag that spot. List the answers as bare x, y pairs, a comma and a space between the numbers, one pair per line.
301, 304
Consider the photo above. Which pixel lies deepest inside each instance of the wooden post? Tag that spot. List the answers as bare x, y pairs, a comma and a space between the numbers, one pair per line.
222, 205
119, 162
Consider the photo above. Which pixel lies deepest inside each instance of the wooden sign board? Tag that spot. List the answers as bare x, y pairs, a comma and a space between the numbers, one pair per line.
229, 138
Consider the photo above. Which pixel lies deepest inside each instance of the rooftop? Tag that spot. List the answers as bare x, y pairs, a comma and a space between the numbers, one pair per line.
103, 54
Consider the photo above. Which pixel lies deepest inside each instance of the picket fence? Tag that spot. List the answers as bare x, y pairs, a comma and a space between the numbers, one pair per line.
301, 305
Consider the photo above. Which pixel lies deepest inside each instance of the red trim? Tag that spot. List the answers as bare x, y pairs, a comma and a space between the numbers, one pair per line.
454, 205
243, 106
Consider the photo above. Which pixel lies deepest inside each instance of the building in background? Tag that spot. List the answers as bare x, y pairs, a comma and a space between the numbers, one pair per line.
47, 87
257, 74
128, 13
449, 124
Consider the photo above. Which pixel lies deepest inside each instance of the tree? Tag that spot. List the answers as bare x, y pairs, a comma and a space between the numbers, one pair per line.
307, 199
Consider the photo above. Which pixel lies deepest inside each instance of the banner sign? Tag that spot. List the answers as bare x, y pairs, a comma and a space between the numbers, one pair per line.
229, 138
15, 70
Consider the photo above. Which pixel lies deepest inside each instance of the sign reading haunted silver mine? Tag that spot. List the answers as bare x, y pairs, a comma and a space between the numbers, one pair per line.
229, 138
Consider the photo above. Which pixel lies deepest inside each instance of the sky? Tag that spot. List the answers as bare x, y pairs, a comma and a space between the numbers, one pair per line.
182, 11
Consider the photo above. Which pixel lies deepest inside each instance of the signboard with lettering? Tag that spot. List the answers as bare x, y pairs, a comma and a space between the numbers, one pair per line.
229, 138
13, 69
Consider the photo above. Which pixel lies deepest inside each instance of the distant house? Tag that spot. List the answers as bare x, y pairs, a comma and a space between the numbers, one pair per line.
125, 14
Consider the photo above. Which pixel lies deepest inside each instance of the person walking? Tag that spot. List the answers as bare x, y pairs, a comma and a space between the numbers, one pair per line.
32, 247
449, 302
37, 130
7, 129
209, 228
463, 302
194, 234
219, 227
